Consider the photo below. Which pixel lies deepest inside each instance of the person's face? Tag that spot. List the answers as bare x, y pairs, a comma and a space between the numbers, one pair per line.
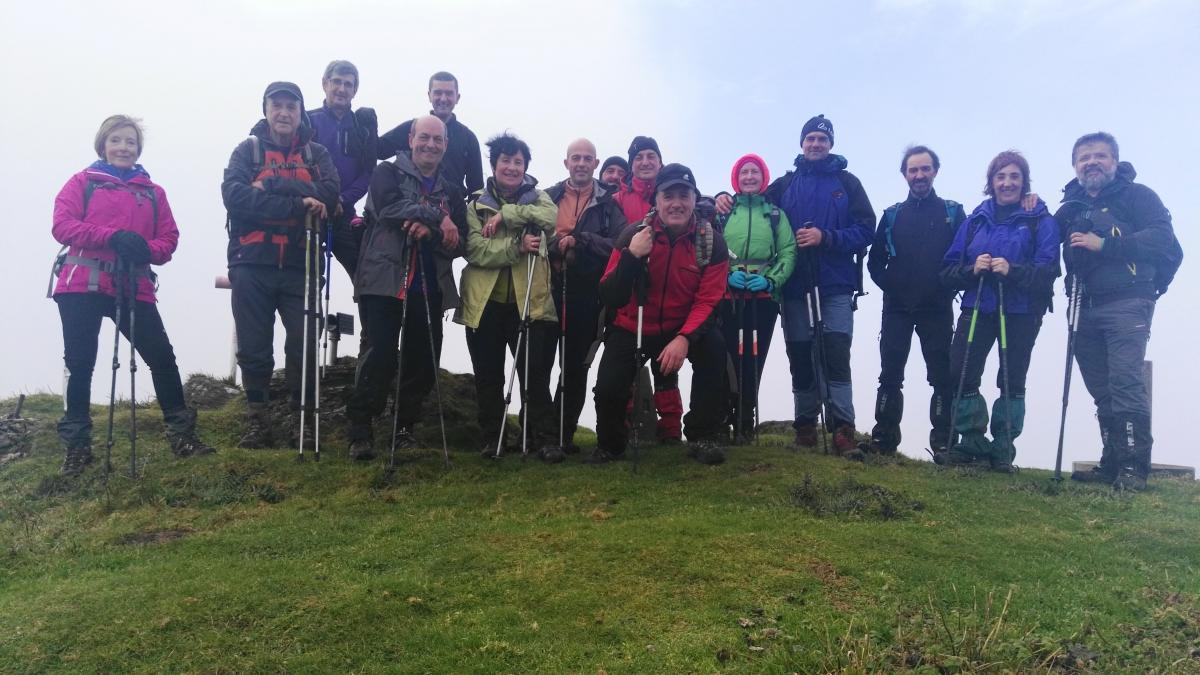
675, 205
816, 146
1095, 165
121, 148
581, 163
443, 96
919, 173
427, 138
509, 172
646, 165
750, 178
1007, 184
283, 114
613, 175
339, 90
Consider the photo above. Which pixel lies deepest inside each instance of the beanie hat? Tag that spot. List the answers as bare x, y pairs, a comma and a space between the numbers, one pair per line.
614, 160
818, 123
748, 159
641, 143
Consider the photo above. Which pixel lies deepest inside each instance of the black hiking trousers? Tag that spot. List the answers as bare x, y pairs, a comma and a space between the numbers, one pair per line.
259, 292
935, 329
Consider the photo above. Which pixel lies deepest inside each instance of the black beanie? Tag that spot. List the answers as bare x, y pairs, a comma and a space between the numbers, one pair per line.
641, 143
818, 123
614, 160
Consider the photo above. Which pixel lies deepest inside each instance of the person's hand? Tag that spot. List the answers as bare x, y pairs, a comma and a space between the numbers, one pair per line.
1000, 266
566, 243
1029, 201
416, 229
531, 243
356, 221
670, 359
641, 243
449, 234
982, 264
1089, 240
337, 213
737, 279
756, 283
724, 204
314, 206
130, 246
489, 228
809, 236
258, 185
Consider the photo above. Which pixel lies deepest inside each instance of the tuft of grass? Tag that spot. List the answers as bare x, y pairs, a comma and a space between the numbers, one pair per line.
852, 499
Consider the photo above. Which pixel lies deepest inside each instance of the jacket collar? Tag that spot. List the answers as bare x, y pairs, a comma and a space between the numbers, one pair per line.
303, 135
526, 193
1125, 175
831, 164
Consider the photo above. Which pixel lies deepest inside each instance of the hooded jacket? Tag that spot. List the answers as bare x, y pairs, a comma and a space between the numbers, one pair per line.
1137, 233
498, 259
824, 195
599, 223
266, 227
1028, 240
681, 297
398, 195
114, 205
906, 259
635, 196
754, 246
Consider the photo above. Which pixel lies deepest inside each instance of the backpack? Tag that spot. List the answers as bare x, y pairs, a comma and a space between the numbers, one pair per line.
1164, 271
705, 234
889, 220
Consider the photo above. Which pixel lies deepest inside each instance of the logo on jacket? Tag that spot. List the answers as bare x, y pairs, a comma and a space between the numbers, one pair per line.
838, 194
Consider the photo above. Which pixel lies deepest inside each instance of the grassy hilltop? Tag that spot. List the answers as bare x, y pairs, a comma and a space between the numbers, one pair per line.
776, 561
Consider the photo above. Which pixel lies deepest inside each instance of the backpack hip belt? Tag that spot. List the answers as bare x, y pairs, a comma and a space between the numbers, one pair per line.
95, 267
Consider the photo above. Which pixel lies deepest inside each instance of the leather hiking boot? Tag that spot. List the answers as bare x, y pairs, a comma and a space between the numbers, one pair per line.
362, 450
404, 439
190, 446
1096, 474
1129, 479
76, 460
551, 454
601, 456
846, 444
706, 452
181, 434
806, 436
954, 458
258, 428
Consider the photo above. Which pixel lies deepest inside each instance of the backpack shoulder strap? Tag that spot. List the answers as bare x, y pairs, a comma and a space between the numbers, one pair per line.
704, 243
889, 220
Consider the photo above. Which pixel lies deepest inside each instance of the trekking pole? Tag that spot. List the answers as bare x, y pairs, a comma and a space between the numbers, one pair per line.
562, 376
118, 265
1004, 362
318, 320
739, 313
132, 371
817, 323
328, 285
754, 364
640, 290
404, 267
308, 260
433, 352
962, 373
522, 337
1072, 328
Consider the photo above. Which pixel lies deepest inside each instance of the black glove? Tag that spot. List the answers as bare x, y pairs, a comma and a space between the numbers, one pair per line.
131, 247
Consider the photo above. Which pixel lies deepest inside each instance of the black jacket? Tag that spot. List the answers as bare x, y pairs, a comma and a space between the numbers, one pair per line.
397, 195
906, 257
463, 164
601, 221
1137, 234
266, 226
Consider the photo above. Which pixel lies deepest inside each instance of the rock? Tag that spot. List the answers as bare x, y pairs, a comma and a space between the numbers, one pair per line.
205, 392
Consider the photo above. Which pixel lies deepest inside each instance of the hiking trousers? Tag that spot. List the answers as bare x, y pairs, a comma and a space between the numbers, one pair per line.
1110, 347
499, 327
259, 292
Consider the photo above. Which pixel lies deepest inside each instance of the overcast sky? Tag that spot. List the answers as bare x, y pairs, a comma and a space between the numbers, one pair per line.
710, 81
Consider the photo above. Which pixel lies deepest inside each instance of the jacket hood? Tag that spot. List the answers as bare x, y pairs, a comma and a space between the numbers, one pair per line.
1125, 175
831, 164
526, 193
262, 129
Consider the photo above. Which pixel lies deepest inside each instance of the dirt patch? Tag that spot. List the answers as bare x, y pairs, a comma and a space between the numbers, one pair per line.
152, 537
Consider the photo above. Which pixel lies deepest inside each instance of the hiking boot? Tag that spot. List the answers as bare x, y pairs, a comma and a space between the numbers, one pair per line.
954, 458
404, 439
806, 436
1129, 479
600, 456
1002, 465
310, 430
76, 460
551, 454
1096, 474
571, 449
181, 434
706, 452
362, 442
487, 450
258, 427
846, 444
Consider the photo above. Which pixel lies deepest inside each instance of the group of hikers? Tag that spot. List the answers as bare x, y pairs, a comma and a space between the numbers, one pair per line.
636, 259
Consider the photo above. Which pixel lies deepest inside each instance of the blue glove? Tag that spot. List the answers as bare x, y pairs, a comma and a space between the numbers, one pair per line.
737, 279
756, 283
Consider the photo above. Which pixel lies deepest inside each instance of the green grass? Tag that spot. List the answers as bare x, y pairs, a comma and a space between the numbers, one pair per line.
776, 561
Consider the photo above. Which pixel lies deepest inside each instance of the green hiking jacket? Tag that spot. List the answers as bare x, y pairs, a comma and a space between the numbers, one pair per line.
491, 260
759, 250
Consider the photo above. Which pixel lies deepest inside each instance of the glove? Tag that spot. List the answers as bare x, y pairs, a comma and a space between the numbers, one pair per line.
756, 283
130, 246
737, 279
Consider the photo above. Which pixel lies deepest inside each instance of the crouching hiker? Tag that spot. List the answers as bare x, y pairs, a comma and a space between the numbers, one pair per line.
1006, 259
275, 180
412, 236
664, 279
115, 222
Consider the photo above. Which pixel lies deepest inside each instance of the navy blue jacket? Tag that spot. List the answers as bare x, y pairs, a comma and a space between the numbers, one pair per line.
824, 195
1028, 240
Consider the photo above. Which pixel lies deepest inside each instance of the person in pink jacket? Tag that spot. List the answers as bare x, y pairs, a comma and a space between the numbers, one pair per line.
112, 214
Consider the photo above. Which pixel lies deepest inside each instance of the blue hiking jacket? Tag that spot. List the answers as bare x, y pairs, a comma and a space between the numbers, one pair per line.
824, 195
1027, 239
